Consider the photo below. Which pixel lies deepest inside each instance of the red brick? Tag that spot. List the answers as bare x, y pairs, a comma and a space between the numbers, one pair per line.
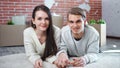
14, 0
18, 7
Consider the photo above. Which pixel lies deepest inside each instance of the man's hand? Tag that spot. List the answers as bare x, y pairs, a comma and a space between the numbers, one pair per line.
62, 60
78, 61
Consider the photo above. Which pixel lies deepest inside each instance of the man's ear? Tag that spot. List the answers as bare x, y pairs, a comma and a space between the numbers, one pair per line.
85, 22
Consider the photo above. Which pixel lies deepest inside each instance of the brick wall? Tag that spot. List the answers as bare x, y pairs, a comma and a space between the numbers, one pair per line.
9, 8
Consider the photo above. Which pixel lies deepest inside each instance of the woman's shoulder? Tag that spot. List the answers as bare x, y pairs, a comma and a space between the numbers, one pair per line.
56, 30
28, 30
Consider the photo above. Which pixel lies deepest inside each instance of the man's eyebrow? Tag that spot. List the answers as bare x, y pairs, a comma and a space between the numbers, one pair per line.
78, 20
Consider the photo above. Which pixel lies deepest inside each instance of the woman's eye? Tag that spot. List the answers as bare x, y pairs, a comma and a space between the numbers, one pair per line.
39, 18
46, 18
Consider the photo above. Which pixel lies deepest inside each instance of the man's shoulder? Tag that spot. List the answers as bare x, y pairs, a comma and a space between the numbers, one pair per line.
65, 31
91, 29
65, 28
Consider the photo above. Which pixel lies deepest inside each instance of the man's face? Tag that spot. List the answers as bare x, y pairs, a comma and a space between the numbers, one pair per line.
76, 23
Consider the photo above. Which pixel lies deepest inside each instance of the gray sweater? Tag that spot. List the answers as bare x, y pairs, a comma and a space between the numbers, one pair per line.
87, 46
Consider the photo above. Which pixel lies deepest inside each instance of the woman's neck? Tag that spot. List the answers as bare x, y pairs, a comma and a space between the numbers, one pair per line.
41, 36
41, 33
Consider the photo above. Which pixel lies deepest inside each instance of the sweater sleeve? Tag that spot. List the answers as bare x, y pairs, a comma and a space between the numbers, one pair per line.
92, 50
62, 47
51, 59
30, 48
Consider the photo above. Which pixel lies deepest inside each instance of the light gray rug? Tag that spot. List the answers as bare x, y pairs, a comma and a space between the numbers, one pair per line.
107, 60
15, 61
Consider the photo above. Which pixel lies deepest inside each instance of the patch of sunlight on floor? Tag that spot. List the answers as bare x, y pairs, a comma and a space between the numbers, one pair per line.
114, 46
112, 51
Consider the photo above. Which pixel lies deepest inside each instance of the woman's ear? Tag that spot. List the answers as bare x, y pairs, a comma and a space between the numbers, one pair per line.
33, 20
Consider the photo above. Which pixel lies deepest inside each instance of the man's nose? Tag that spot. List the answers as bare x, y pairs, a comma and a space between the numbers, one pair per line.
74, 24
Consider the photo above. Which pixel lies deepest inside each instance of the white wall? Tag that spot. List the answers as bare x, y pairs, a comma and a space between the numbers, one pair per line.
111, 14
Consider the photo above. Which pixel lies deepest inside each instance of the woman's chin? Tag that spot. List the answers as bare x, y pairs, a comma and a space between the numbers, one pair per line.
43, 29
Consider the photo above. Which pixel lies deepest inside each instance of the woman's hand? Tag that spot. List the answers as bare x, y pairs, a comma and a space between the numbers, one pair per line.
38, 63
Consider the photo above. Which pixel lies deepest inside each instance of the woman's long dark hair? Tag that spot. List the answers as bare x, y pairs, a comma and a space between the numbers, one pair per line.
50, 47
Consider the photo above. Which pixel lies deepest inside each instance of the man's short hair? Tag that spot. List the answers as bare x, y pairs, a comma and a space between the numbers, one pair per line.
77, 11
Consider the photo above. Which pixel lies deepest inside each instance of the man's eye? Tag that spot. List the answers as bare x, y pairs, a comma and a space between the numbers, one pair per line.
71, 21
78, 21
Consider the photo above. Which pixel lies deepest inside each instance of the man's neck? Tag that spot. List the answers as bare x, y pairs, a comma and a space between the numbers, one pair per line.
78, 36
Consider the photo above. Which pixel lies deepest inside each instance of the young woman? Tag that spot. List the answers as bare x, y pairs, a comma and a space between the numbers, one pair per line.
42, 38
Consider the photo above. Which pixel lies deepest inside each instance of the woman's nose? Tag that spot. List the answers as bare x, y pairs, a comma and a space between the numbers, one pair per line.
43, 21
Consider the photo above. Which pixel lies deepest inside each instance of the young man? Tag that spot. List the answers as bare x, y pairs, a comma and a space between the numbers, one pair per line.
79, 42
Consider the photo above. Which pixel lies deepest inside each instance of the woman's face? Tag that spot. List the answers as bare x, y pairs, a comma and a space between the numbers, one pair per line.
41, 20
76, 23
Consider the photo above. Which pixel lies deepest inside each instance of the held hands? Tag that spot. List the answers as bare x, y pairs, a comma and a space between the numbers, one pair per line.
38, 63
78, 62
62, 61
